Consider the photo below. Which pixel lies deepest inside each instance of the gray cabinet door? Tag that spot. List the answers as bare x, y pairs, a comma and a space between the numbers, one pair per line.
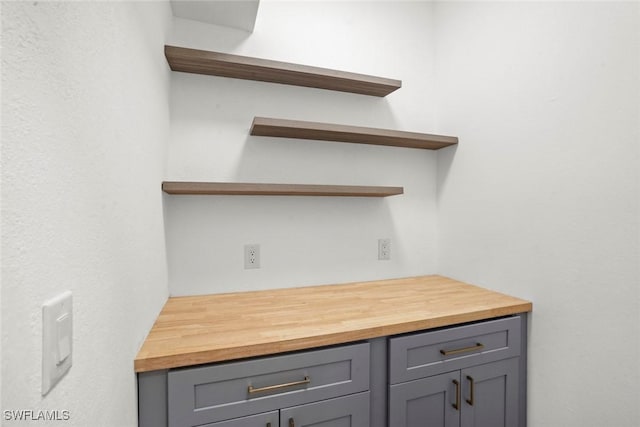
429, 402
347, 411
269, 419
495, 400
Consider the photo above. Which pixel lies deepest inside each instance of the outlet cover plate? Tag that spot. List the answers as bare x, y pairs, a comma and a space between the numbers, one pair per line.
251, 256
384, 249
57, 339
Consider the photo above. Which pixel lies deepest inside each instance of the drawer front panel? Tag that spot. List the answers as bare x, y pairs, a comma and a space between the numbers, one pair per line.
230, 390
431, 353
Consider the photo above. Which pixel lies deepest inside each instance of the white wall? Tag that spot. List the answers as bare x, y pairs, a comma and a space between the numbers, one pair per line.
303, 240
85, 116
540, 199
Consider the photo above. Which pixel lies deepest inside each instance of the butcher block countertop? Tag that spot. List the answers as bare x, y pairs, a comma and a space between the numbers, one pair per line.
212, 328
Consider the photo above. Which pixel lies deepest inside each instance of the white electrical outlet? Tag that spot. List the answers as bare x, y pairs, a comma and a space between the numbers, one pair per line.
384, 249
251, 256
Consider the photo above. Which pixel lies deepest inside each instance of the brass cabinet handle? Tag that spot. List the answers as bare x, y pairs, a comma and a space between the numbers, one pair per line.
471, 387
475, 347
292, 423
456, 405
268, 424
252, 390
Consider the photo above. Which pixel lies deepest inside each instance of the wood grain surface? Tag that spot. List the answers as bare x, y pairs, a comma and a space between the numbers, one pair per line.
259, 189
211, 328
284, 128
248, 68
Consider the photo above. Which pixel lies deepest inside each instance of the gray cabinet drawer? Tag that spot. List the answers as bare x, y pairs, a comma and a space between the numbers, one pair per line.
231, 390
431, 353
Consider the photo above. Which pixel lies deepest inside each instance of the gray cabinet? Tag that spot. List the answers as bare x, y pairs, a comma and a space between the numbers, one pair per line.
482, 396
473, 375
465, 376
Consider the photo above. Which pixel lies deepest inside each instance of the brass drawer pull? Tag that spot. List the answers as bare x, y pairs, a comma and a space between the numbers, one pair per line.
292, 423
456, 405
478, 346
252, 390
471, 387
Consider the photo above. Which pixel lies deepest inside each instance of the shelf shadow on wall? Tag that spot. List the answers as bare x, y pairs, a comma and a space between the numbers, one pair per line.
446, 158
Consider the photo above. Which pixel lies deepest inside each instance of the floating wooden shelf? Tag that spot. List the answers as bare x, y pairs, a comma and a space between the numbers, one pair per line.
263, 126
252, 189
243, 67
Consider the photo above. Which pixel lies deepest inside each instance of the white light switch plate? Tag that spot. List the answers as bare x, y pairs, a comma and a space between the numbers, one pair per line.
57, 339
